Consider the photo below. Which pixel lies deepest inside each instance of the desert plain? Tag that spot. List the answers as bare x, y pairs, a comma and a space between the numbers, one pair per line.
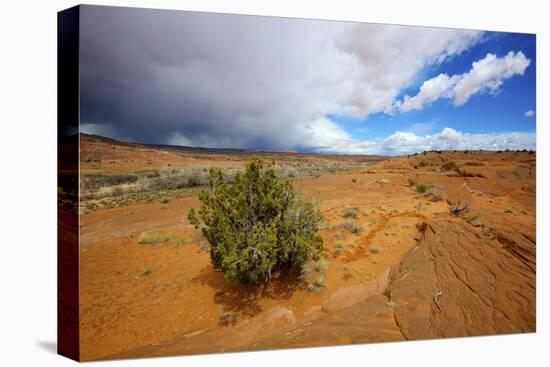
430, 245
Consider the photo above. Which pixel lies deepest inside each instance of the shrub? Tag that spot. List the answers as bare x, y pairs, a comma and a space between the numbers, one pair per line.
421, 188
354, 180
350, 212
257, 224
339, 248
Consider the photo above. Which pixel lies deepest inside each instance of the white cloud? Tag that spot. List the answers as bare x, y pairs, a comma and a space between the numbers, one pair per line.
431, 90
529, 113
486, 75
389, 57
405, 142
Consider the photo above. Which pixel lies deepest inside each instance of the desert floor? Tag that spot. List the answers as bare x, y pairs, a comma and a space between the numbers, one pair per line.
411, 270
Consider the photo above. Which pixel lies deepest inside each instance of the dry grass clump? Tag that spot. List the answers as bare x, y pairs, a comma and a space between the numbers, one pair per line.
146, 271
173, 179
94, 182
351, 226
159, 238
457, 209
318, 284
352, 212
320, 265
381, 181
474, 221
435, 193
488, 231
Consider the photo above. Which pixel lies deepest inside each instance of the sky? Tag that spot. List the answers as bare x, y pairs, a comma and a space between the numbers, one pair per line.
283, 84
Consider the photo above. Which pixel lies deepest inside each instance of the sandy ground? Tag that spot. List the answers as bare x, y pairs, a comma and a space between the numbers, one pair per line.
434, 274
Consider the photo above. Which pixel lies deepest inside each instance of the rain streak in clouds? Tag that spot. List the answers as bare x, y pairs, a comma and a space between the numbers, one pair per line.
215, 80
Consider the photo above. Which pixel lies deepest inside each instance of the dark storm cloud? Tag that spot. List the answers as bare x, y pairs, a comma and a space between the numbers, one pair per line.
242, 81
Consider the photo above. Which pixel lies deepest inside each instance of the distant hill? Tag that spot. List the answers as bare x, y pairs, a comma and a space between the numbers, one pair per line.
99, 138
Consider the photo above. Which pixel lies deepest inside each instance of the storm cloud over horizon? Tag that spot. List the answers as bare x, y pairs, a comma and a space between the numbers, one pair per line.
235, 81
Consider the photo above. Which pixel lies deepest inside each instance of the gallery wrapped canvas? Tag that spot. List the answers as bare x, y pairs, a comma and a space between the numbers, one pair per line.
237, 183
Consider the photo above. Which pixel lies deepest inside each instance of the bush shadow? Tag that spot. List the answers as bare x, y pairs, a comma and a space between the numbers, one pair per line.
244, 300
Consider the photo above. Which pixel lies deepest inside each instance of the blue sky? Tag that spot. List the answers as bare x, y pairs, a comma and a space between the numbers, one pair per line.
232, 81
502, 112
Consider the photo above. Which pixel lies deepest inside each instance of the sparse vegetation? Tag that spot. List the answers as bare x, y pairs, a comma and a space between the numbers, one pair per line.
153, 238
94, 182
488, 231
256, 225
435, 194
320, 265
159, 238
304, 272
374, 249
318, 284
474, 221
155, 183
457, 209
352, 212
421, 188
449, 166
351, 226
